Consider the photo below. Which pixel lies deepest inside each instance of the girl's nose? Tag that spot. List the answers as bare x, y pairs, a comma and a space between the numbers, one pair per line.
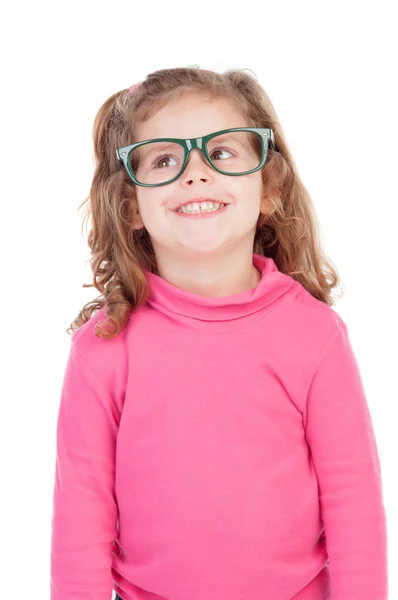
197, 166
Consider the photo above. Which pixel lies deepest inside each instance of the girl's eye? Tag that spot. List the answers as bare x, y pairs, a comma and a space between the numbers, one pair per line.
161, 159
221, 150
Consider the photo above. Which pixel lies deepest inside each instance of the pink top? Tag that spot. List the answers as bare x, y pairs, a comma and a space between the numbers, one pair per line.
218, 449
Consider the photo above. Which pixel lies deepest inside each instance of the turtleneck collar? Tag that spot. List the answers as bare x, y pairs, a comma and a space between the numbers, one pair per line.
194, 310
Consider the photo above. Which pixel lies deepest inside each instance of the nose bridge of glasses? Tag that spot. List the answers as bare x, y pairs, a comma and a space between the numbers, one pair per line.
195, 144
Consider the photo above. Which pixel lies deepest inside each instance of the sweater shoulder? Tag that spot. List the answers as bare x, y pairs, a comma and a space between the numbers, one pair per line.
106, 358
307, 324
313, 315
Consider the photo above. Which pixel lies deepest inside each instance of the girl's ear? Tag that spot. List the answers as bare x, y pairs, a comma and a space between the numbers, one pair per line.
139, 226
137, 222
264, 207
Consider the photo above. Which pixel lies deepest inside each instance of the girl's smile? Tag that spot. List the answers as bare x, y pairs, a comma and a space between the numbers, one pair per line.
204, 215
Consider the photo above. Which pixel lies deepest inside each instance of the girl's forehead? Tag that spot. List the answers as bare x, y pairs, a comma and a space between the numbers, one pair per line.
194, 103
191, 116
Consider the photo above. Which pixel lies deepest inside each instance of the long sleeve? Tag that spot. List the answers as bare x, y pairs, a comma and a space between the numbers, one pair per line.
85, 513
341, 439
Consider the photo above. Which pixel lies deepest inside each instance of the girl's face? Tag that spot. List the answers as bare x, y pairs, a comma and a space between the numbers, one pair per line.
178, 237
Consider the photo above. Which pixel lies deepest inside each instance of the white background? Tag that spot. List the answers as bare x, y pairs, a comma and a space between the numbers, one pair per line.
331, 73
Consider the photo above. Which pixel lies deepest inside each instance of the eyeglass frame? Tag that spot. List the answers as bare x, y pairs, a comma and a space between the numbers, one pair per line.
122, 154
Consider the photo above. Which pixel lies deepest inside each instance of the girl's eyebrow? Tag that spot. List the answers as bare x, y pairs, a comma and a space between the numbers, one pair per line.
148, 148
224, 136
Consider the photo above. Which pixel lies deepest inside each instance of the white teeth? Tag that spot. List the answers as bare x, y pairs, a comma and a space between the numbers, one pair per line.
199, 207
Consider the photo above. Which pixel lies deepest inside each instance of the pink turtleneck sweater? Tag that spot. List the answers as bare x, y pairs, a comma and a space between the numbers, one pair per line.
218, 449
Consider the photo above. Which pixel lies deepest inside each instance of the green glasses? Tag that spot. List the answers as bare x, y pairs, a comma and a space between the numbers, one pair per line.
236, 151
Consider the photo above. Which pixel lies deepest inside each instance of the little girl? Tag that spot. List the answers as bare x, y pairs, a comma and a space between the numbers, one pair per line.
214, 441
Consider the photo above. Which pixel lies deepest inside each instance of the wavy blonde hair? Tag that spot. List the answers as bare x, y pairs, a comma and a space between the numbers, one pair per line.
288, 233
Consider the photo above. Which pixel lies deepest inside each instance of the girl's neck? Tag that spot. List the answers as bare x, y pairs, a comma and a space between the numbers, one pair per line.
231, 277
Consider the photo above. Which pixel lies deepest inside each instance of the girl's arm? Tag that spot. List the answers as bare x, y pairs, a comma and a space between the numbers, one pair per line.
340, 435
84, 507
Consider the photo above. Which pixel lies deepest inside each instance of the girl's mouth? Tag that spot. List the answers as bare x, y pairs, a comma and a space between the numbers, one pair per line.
199, 215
